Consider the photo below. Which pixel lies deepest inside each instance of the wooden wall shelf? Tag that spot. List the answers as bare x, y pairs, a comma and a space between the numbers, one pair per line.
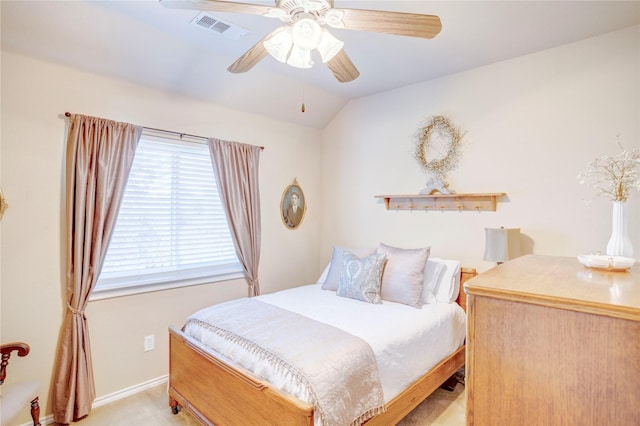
439, 202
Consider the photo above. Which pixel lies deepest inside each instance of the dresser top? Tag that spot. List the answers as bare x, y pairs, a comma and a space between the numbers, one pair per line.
562, 282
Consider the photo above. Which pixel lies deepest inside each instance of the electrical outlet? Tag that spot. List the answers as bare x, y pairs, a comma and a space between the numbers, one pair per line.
149, 343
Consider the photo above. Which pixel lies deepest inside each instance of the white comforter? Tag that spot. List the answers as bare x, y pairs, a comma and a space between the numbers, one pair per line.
407, 342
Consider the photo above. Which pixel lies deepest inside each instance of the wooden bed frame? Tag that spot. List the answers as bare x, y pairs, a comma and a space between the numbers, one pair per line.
216, 392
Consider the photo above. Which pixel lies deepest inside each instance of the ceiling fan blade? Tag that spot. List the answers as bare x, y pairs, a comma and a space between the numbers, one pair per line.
342, 67
251, 57
397, 23
217, 6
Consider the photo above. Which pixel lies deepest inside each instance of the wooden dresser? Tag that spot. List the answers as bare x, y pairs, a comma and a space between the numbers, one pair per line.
551, 342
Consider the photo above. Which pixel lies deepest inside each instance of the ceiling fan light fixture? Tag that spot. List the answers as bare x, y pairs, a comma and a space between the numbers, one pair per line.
329, 46
306, 33
279, 45
300, 58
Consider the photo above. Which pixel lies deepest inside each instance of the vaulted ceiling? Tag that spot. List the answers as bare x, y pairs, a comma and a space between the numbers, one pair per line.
144, 42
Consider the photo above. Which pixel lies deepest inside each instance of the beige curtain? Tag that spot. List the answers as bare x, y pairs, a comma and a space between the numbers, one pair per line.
236, 169
99, 156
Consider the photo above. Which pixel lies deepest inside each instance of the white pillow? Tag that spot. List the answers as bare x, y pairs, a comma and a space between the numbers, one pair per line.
323, 276
449, 285
333, 275
403, 276
433, 271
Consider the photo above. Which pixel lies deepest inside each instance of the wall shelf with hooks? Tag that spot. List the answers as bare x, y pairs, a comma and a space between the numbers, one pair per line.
439, 202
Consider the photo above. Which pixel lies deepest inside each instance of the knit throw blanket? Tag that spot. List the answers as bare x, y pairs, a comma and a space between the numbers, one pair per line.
318, 363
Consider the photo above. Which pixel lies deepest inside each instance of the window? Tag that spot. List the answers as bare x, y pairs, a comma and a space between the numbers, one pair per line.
171, 229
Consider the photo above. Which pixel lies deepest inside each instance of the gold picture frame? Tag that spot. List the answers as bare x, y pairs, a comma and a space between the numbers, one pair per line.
3, 204
293, 205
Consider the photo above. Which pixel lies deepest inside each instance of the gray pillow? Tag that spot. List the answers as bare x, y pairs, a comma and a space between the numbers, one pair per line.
403, 276
360, 277
333, 276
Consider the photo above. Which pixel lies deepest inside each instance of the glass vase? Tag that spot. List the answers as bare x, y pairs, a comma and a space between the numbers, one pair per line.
619, 243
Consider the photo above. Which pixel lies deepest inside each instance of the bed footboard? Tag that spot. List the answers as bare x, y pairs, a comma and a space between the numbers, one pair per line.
217, 393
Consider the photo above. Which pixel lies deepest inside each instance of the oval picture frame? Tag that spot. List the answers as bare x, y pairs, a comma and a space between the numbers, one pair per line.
293, 206
3, 204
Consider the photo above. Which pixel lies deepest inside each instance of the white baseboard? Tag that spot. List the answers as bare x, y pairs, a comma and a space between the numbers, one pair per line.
115, 396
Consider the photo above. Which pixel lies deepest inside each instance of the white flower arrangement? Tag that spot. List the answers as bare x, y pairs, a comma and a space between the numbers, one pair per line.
614, 177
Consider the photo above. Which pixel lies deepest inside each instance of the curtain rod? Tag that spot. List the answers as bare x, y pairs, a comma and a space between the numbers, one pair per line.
68, 114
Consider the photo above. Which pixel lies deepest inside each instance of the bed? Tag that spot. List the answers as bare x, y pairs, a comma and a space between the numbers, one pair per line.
218, 385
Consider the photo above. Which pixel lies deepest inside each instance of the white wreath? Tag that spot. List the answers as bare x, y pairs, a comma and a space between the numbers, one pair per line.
444, 128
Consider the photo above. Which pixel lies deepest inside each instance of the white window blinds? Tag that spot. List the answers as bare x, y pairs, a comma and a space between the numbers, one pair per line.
171, 228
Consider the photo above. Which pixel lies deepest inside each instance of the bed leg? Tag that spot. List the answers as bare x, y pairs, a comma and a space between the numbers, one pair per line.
175, 407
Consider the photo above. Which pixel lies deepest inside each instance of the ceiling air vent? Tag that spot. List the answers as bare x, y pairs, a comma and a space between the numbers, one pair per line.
224, 28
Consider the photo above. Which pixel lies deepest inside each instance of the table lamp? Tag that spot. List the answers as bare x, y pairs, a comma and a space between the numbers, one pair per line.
501, 244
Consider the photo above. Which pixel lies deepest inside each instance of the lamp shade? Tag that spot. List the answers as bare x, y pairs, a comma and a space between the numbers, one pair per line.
279, 45
501, 244
306, 33
299, 58
329, 46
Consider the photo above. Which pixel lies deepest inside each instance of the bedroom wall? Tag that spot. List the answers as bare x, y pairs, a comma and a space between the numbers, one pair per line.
532, 124
35, 95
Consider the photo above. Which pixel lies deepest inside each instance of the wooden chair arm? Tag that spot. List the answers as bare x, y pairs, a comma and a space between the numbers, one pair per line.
22, 349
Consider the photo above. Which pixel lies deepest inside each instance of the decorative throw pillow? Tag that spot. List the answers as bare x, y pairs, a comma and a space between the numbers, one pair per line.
403, 276
360, 277
333, 276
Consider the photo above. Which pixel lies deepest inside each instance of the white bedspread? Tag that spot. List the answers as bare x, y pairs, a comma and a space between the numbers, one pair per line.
407, 342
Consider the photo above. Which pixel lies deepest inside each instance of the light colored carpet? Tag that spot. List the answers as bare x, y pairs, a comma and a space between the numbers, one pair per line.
151, 408
441, 408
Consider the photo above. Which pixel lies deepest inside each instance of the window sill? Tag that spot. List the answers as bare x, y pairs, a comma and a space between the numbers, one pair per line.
110, 293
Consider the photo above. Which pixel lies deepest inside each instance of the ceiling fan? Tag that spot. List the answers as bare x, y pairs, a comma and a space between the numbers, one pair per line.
306, 31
